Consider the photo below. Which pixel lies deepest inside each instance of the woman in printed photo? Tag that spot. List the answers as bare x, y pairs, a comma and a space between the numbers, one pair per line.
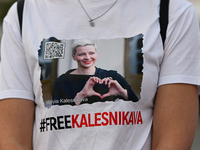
88, 83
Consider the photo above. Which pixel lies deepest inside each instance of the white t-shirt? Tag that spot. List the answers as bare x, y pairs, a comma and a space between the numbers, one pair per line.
100, 125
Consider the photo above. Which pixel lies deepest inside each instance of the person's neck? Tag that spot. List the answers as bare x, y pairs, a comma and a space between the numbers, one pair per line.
85, 71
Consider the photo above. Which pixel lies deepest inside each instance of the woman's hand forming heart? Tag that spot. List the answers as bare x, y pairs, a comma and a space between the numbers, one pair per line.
115, 89
87, 90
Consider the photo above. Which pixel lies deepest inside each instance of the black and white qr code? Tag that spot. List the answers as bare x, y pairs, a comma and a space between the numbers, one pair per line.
54, 50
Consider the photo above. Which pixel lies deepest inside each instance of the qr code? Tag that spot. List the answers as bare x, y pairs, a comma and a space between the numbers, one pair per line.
54, 50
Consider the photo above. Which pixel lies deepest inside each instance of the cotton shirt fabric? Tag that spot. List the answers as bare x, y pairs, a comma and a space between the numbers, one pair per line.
91, 126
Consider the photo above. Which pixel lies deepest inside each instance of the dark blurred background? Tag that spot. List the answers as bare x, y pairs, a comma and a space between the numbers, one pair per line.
4, 6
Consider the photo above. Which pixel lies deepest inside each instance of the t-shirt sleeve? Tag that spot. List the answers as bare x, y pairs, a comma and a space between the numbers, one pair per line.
181, 61
15, 78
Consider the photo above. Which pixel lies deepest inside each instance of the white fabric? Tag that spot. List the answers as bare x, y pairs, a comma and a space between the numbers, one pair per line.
20, 71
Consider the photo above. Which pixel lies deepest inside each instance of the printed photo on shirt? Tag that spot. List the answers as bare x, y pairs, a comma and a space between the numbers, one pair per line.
117, 75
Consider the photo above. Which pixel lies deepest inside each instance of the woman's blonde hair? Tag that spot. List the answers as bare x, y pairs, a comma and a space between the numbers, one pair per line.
81, 42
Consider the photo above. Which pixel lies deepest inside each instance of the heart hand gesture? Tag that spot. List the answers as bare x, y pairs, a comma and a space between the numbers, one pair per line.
87, 90
115, 89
